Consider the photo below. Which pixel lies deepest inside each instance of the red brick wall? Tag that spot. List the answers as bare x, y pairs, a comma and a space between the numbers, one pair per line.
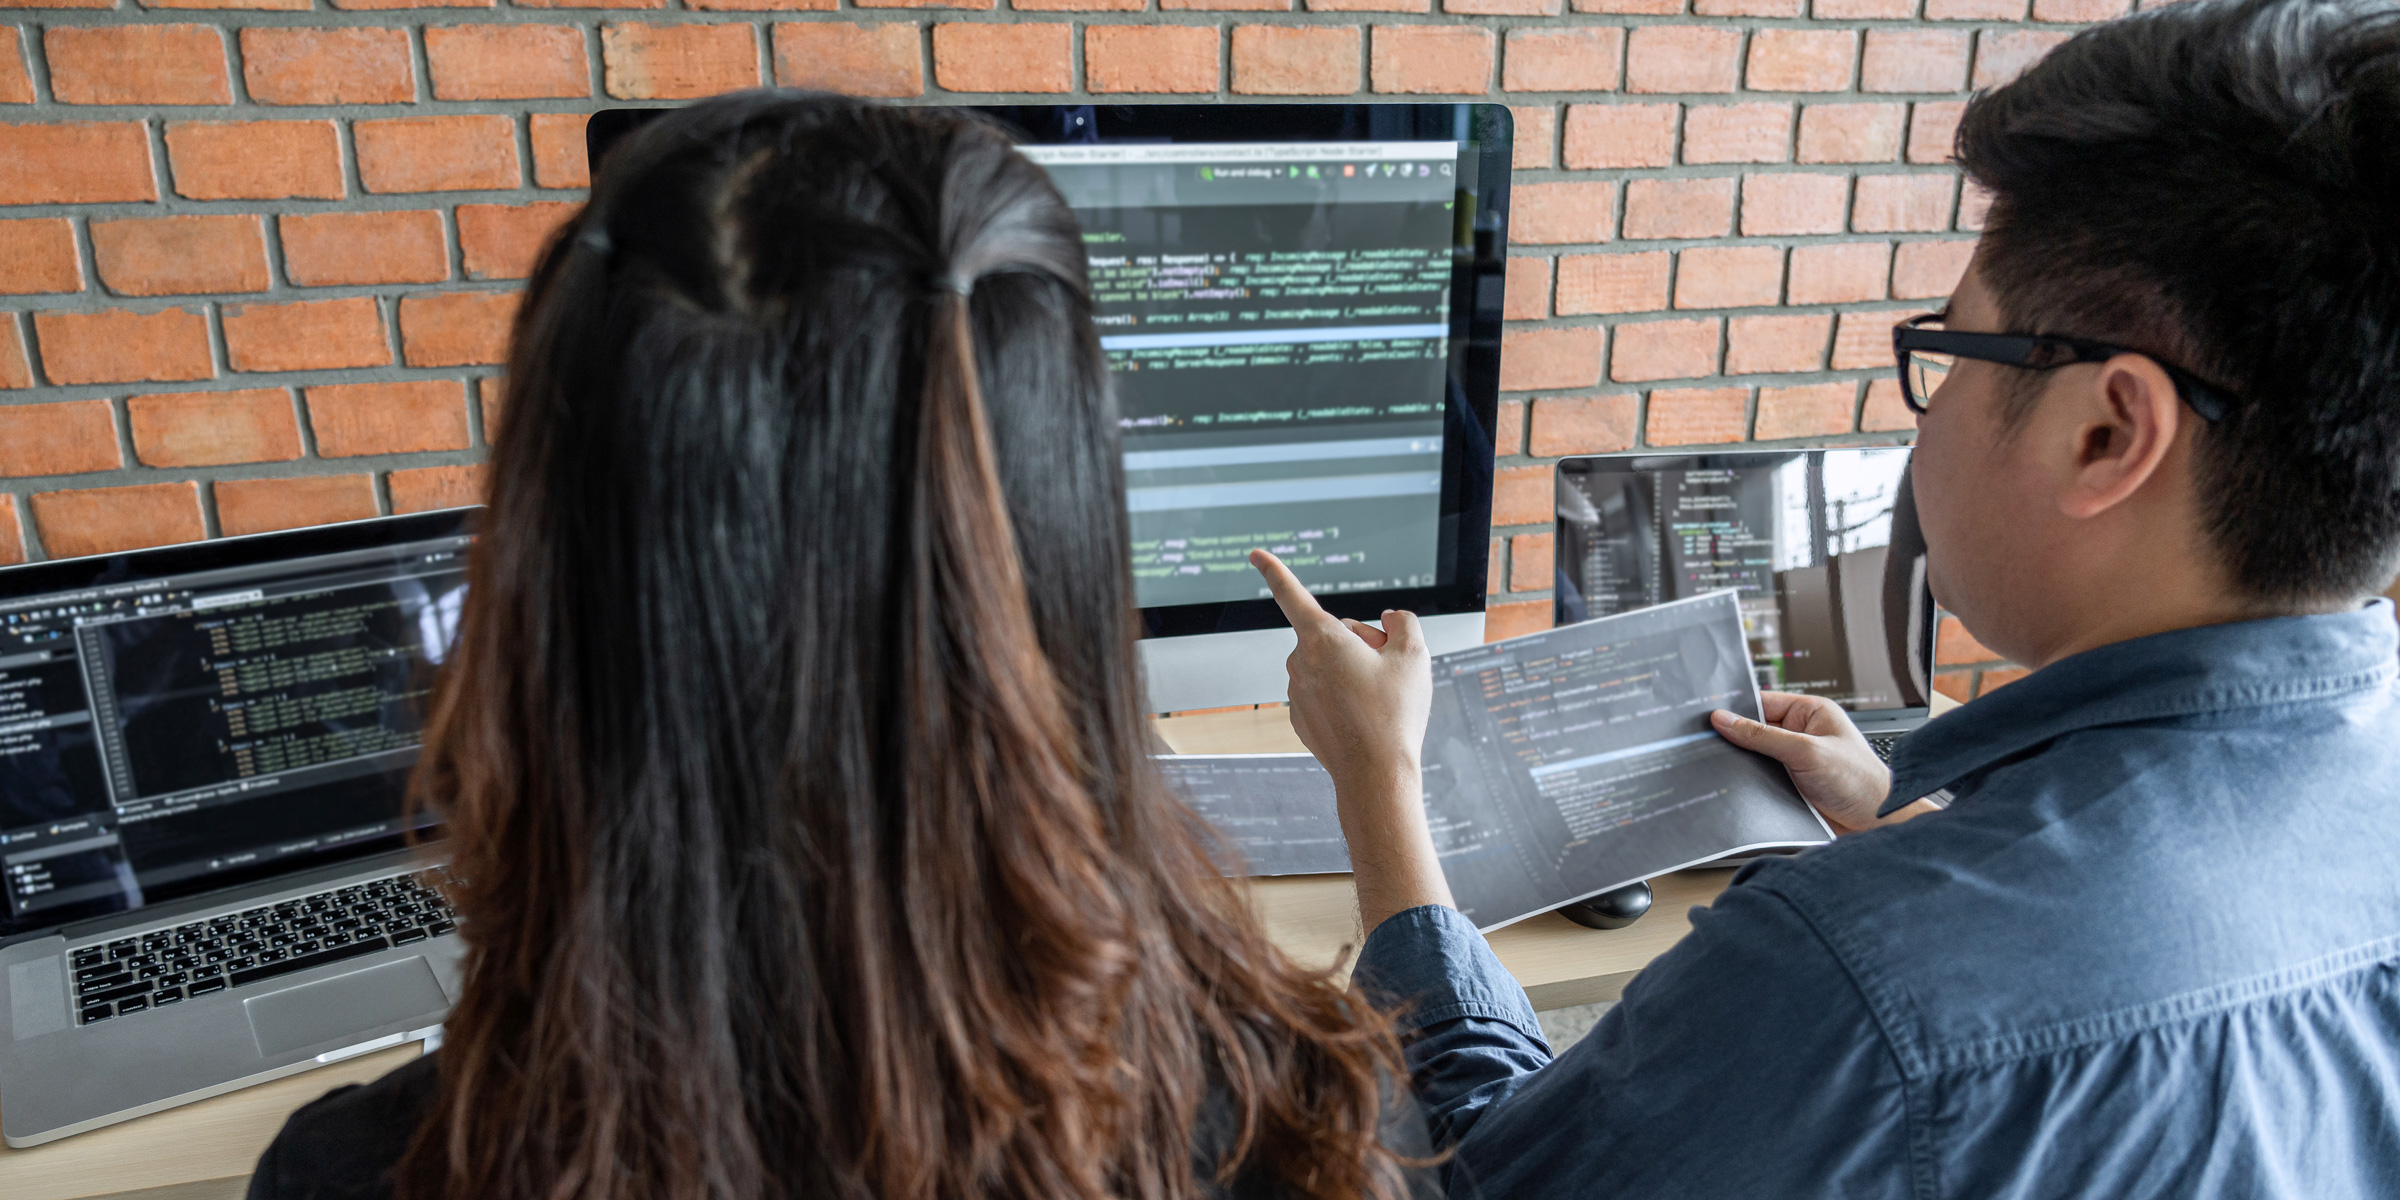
257, 257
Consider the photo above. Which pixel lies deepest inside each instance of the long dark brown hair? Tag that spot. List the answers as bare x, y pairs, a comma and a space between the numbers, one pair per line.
793, 754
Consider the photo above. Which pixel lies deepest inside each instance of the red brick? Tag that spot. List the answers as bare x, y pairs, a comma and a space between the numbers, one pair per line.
359, 65
1027, 57
978, 4
1958, 685
1679, 208
1913, 60
173, 256
1612, 283
1543, 359
1601, 136
74, 437
1801, 60
1729, 277
1743, 133
1504, 621
678, 62
1150, 58
246, 506
1902, 203
1655, 8
1225, 5
1789, 204
137, 64
507, 62
1596, 424
1663, 350
1491, 572
1810, 410
456, 329
12, 536
1777, 344
489, 394
1954, 646
1974, 204
369, 5
1885, 411
2080, 10
763, 5
603, 4
1987, 682
1697, 416
1839, 272
16, 87
119, 346
1529, 562
1403, 6
1848, 133
2002, 55
1536, 130
1078, 6
320, 335
437, 154
1522, 496
255, 160
502, 241
15, 372
1528, 289
1420, 59
1929, 270
352, 419
1563, 60
1682, 58
1865, 339
75, 163
1974, 10
1508, 431
426, 488
1933, 130
558, 152
1746, 8
108, 520
1863, 10
337, 249
38, 255
884, 60
1556, 213
209, 429
1503, 8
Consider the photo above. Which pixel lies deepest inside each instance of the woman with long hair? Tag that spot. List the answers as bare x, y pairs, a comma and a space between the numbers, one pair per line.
792, 757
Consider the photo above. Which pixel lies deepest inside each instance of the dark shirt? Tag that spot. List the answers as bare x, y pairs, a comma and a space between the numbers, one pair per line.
344, 1144
2152, 948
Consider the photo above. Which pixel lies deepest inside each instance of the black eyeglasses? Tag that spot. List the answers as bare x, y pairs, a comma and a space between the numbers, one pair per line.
1926, 356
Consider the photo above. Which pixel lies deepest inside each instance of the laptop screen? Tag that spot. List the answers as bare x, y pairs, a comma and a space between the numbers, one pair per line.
1822, 546
179, 720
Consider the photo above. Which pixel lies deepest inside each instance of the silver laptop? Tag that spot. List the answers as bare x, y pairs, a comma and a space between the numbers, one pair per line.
203, 837
1822, 544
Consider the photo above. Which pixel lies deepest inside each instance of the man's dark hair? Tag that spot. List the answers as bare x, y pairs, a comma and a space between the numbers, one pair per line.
2218, 183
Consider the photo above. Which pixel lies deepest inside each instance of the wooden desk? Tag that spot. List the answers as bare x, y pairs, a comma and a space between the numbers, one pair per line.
205, 1151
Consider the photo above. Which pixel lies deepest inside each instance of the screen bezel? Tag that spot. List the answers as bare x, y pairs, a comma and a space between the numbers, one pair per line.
133, 567
1651, 461
1479, 267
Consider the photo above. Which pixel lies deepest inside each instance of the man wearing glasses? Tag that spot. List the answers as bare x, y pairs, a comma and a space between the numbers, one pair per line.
2132, 926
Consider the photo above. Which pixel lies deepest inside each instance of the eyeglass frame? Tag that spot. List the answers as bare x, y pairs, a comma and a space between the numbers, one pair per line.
2037, 352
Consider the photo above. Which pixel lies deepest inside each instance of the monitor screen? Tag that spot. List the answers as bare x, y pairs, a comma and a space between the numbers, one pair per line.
1277, 319
177, 721
1822, 546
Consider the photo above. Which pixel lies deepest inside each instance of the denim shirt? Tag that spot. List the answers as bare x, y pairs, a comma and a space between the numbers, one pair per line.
2151, 948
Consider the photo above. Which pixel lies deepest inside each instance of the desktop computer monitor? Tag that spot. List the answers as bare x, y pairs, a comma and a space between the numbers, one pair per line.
1301, 308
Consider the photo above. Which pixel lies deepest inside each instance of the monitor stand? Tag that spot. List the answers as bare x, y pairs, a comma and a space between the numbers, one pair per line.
1220, 670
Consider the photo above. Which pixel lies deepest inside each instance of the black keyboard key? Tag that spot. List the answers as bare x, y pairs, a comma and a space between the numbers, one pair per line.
205, 986
132, 1004
405, 936
305, 961
90, 958
441, 927
113, 995
169, 996
100, 1013
99, 971
103, 983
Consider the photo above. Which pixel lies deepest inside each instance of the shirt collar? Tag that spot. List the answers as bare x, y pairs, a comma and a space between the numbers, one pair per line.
2208, 668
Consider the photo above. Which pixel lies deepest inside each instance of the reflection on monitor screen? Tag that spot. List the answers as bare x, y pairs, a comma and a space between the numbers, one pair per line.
1806, 537
1277, 319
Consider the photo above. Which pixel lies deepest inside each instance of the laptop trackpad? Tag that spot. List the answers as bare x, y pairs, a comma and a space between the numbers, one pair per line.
346, 1004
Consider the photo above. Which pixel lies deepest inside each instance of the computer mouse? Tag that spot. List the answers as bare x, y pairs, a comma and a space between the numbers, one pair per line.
1611, 910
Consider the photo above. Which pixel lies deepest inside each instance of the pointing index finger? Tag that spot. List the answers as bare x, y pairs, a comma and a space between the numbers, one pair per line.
1300, 608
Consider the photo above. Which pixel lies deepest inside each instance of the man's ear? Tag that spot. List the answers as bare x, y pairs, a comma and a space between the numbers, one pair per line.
2126, 419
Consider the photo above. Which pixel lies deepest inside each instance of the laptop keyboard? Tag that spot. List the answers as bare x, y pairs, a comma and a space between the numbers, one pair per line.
1883, 744
166, 966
